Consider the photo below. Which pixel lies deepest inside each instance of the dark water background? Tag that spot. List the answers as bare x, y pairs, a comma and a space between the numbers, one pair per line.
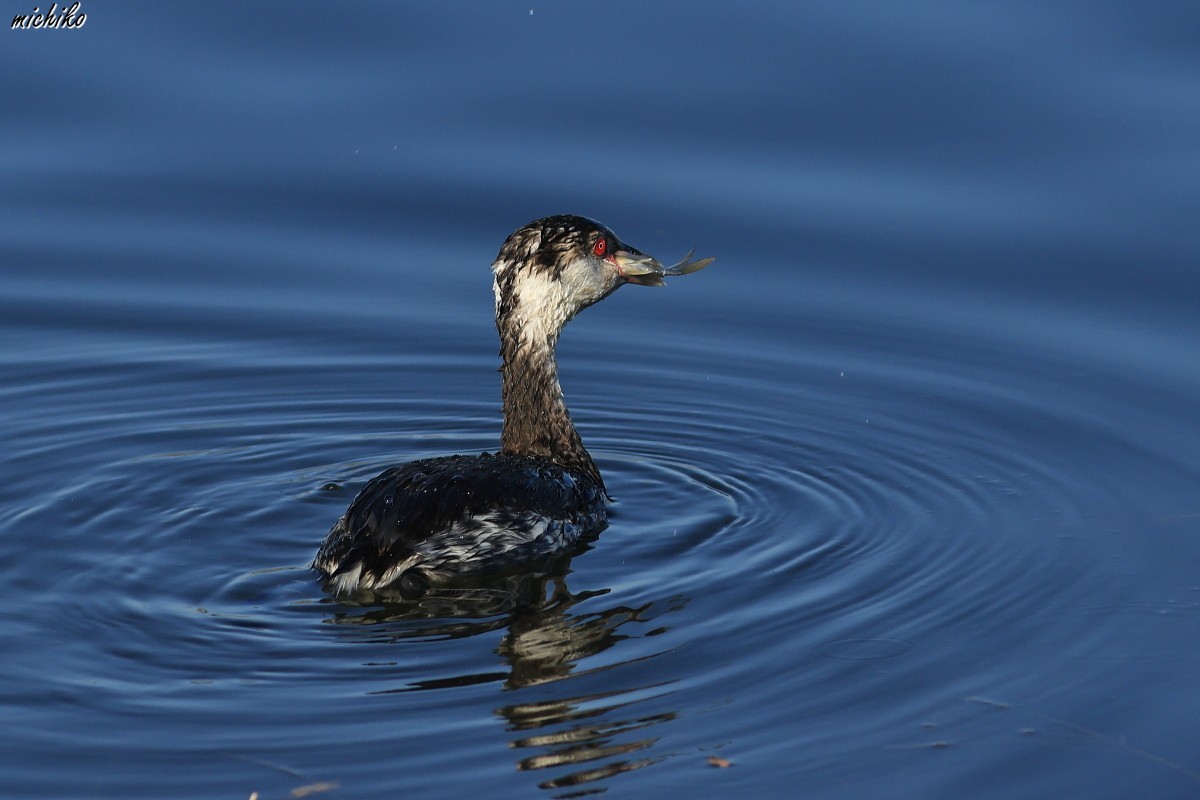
908, 483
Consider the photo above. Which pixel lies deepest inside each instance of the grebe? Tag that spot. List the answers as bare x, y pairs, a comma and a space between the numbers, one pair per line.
419, 524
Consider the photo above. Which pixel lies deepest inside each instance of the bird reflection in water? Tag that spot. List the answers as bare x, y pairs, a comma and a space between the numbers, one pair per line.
585, 734
545, 641
546, 645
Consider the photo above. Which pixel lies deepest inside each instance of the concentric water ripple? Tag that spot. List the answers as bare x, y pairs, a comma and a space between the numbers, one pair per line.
813, 524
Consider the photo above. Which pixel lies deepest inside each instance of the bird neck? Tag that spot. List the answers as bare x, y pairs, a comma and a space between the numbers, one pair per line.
536, 420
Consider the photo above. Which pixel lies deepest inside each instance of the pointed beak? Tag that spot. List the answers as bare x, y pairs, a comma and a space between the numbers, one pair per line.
637, 267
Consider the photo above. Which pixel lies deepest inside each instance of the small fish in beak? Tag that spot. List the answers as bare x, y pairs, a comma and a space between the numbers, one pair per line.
644, 270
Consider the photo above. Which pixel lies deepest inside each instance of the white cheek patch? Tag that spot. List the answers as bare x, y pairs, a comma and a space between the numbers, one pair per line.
542, 303
587, 284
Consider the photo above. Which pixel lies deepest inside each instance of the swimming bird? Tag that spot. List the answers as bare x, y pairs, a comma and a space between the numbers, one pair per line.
424, 523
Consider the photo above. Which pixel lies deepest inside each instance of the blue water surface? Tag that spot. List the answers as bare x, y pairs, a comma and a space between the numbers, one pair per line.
907, 485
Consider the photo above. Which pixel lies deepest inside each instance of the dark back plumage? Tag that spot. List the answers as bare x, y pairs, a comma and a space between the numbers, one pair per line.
433, 516
407, 504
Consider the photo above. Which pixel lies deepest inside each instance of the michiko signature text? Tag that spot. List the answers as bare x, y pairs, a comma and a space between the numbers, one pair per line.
66, 17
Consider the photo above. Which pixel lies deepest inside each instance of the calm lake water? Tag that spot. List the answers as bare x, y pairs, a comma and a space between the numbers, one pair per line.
907, 484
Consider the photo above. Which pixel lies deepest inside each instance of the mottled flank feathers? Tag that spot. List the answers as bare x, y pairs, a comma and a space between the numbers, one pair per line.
426, 521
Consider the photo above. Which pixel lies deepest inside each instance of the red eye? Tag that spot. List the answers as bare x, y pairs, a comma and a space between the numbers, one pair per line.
600, 247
